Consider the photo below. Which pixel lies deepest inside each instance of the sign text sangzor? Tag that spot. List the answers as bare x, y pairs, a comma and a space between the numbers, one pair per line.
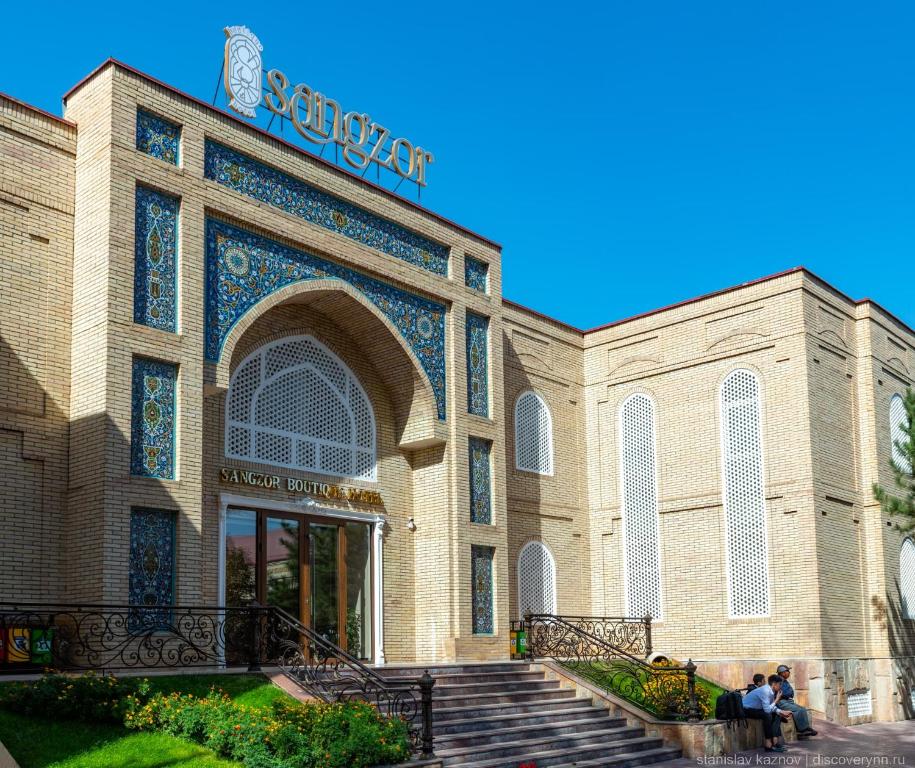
316, 117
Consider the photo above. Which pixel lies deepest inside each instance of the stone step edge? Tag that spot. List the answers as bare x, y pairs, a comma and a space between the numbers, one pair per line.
466, 696
599, 733
664, 753
499, 762
542, 728
508, 705
595, 712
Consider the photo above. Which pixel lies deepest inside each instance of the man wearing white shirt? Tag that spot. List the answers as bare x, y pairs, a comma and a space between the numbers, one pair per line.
760, 704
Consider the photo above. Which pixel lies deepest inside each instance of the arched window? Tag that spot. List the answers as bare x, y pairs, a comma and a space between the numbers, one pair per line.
293, 403
641, 540
533, 434
907, 578
898, 434
744, 497
536, 579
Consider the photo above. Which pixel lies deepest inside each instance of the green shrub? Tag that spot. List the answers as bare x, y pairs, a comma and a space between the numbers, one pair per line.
90, 697
287, 734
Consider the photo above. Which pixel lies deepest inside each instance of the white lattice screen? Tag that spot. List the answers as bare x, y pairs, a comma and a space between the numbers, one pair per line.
533, 434
293, 403
536, 579
640, 507
860, 704
907, 578
898, 420
744, 498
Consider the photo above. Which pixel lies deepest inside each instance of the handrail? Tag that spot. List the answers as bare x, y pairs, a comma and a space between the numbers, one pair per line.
666, 691
626, 632
109, 637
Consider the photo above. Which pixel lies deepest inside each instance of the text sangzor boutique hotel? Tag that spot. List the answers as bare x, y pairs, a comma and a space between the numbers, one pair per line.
233, 370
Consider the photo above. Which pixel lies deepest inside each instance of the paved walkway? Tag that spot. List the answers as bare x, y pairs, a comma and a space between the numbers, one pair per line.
862, 746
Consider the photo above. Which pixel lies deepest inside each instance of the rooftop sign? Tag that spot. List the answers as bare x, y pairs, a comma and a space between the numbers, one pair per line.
316, 117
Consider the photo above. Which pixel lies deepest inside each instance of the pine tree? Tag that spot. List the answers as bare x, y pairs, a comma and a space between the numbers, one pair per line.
902, 503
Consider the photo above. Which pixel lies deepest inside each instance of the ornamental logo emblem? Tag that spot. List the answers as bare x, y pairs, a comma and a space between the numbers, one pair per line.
243, 69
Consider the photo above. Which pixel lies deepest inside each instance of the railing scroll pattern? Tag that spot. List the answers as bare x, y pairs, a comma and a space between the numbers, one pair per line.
667, 692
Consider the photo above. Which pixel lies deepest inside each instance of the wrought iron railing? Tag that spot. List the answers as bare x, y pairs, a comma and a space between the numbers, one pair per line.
115, 638
665, 691
629, 634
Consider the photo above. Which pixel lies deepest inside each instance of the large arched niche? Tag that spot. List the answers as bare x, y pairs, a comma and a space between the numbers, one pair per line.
371, 336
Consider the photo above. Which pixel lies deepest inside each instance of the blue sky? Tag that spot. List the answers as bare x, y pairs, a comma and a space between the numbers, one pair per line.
627, 155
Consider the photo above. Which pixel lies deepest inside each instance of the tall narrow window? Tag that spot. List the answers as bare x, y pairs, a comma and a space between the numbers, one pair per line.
477, 365
533, 434
641, 539
907, 578
293, 403
744, 498
899, 421
536, 579
482, 598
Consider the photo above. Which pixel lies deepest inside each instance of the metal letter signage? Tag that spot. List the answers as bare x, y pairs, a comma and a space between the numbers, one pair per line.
317, 118
243, 70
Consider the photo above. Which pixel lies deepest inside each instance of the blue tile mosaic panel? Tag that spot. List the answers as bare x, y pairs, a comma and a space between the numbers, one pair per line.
480, 481
477, 365
243, 268
158, 137
250, 177
152, 428
476, 274
155, 280
481, 574
151, 567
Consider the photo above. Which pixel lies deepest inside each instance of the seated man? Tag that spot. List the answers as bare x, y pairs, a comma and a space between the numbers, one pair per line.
800, 714
759, 704
758, 680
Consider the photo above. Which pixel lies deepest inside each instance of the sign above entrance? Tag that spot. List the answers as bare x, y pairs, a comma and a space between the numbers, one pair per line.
299, 486
316, 117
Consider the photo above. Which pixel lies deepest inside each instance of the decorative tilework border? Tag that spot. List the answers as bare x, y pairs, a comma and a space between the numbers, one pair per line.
155, 281
151, 567
251, 177
476, 274
157, 137
152, 421
243, 268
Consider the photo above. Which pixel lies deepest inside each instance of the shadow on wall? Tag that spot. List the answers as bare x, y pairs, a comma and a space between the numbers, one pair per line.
901, 633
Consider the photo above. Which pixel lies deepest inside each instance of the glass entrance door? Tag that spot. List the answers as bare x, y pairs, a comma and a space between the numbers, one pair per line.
317, 569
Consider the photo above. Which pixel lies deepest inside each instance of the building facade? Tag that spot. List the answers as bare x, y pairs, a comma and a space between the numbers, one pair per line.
233, 371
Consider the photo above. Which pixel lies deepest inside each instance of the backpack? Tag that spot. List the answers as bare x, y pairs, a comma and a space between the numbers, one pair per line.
729, 707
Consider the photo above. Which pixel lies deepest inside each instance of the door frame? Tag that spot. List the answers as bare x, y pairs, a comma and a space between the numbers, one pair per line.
304, 511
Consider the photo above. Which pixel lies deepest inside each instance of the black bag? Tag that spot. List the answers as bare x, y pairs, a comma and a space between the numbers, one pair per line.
729, 707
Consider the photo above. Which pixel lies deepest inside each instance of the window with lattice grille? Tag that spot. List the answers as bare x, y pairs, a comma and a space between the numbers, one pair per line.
533, 434
899, 420
907, 578
744, 498
293, 403
641, 539
860, 704
536, 579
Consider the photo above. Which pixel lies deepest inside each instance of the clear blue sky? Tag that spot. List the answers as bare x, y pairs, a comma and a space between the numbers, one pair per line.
626, 154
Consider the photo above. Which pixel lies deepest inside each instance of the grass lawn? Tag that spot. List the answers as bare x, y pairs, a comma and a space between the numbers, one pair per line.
36, 743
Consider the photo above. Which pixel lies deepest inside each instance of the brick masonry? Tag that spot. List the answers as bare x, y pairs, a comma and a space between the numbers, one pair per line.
827, 366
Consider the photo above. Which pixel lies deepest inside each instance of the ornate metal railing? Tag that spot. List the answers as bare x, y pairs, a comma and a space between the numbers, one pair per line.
115, 638
630, 634
667, 692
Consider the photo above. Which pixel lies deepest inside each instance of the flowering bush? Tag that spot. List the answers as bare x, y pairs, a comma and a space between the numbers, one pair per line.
287, 734
96, 698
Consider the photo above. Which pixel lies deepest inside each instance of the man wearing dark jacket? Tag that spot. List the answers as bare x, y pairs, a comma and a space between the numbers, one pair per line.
786, 701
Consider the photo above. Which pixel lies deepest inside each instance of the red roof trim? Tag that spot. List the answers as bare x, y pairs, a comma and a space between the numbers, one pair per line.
38, 110
320, 160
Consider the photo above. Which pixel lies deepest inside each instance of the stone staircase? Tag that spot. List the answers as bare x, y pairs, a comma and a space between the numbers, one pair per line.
500, 715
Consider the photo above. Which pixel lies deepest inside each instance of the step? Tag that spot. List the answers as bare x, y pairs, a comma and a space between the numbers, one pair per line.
531, 730
516, 697
601, 753
540, 706
627, 759
499, 686
464, 678
606, 738
453, 669
512, 719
